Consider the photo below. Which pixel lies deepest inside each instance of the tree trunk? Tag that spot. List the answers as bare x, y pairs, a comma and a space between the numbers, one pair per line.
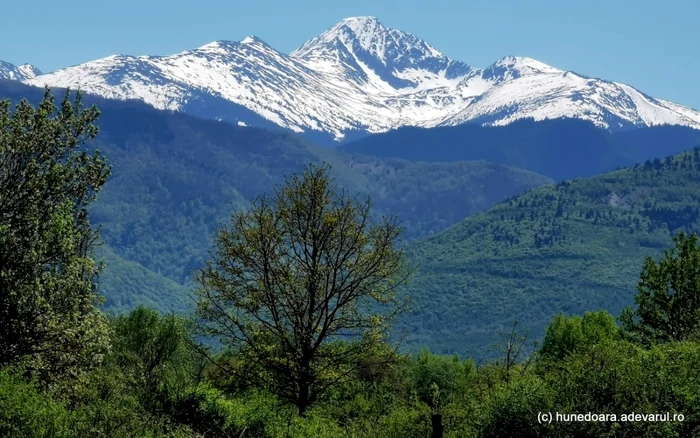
304, 399
438, 427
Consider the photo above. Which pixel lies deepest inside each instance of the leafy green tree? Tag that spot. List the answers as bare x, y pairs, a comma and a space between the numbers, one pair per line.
512, 411
303, 288
567, 335
153, 355
154, 352
437, 379
668, 295
48, 316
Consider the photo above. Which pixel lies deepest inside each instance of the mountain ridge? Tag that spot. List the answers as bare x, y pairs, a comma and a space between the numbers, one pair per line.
18, 72
360, 76
560, 148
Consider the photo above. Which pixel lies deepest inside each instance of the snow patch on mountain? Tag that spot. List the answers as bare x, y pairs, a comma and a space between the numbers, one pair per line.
658, 112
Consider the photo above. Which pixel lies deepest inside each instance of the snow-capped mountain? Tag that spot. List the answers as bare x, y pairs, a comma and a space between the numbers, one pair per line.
17, 73
516, 87
364, 50
360, 76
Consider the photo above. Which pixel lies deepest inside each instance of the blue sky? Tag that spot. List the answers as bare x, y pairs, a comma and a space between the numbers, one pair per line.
652, 45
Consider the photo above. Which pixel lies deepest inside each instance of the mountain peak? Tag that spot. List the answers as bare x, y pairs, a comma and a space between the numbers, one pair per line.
513, 67
369, 34
400, 60
29, 71
20, 73
359, 20
363, 28
252, 39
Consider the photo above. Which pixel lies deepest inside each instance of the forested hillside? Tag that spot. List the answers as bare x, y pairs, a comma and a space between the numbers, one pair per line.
561, 149
297, 300
176, 177
569, 247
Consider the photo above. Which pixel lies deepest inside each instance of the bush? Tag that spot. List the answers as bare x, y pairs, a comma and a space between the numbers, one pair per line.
26, 412
513, 410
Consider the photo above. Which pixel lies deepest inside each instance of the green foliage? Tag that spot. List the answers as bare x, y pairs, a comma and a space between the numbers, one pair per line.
618, 377
106, 409
360, 410
152, 381
610, 376
27, 412
568, 335
668, 295
437, 380
128, 284
303, 287
108, 405
155, 352
512, 411
48, 315
521, 259
209, 412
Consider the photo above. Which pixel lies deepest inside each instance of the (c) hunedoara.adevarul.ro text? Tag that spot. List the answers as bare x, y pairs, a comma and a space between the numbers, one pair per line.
548, 417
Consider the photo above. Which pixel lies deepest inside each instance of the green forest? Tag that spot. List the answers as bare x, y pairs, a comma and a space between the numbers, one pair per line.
300, 301
176, 177
572, 247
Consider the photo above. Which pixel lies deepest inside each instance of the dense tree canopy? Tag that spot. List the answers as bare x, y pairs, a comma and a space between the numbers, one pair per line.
668, 297
568, 335
48, 314
571, 247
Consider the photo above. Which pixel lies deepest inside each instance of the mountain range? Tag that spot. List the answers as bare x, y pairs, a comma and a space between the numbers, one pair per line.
485, 255
361, 77
175, 178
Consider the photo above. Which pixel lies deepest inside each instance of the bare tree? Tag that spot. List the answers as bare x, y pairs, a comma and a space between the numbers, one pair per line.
515, 352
